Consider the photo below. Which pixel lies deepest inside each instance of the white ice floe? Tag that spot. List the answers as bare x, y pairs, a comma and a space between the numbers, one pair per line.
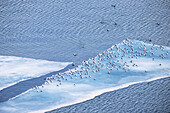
14, 69
126, 63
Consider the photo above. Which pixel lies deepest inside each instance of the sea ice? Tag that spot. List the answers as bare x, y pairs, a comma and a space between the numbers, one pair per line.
129, 61
14, 69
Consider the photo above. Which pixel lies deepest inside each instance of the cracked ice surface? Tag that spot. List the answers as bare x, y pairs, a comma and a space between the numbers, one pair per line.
14, 69
129, 61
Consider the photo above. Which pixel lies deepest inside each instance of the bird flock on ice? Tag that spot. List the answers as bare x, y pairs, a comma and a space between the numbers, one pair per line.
109, 60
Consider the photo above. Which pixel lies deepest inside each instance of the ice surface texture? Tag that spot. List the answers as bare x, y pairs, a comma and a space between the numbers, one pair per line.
149, 97
129, 61
14, 69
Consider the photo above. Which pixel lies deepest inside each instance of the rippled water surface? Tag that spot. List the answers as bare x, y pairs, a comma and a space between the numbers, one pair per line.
76, 30
55, 29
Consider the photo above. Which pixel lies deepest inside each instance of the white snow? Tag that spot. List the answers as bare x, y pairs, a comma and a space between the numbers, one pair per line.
14, 69
53, 95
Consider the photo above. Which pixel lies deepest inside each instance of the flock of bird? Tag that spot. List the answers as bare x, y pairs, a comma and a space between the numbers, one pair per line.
112, 59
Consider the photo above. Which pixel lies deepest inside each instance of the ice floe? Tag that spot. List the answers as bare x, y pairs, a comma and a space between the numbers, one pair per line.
124, 63
14, 69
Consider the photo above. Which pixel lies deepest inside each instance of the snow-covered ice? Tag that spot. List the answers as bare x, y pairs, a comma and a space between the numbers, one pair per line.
129, 61
14, 69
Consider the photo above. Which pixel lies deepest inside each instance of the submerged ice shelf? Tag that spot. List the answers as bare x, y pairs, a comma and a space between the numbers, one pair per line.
129, 61
14, 69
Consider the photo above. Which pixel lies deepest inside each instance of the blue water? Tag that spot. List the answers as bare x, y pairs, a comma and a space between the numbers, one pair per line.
55, 29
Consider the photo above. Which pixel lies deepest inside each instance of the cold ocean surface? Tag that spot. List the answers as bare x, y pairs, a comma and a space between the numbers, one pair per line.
74, 31
56, 29
129, 61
